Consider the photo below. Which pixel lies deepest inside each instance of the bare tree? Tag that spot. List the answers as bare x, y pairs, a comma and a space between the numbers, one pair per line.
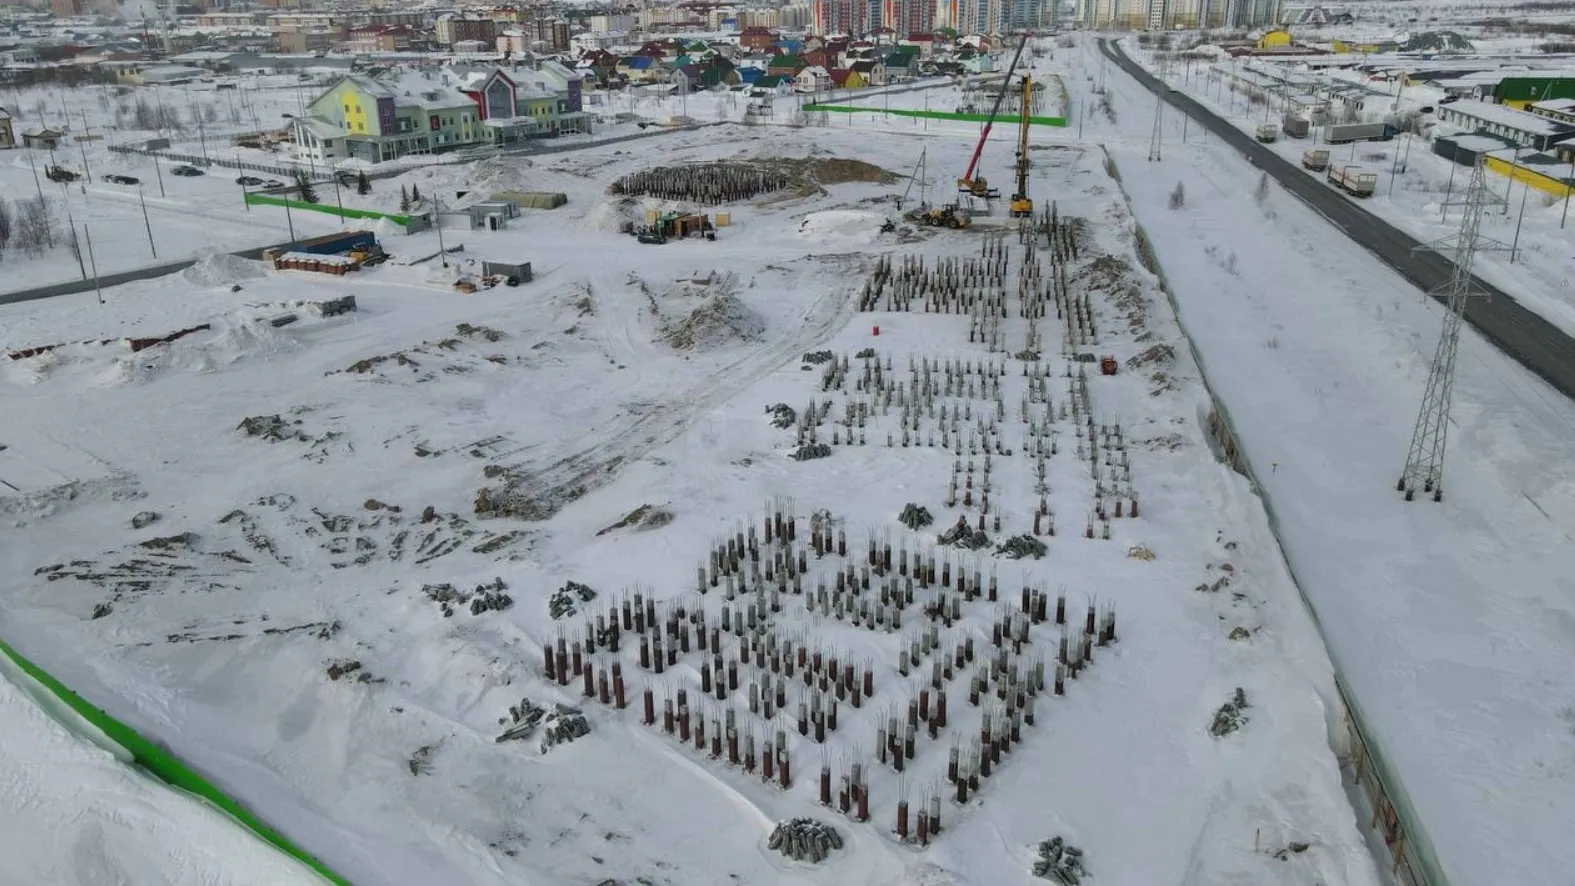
33, 229
5, 226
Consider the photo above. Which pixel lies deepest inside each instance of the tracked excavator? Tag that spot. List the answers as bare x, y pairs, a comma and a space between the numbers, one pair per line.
971, 183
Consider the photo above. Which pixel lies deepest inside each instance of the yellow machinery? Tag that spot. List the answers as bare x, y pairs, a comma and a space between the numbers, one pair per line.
948, 216
1022, 204
975, 185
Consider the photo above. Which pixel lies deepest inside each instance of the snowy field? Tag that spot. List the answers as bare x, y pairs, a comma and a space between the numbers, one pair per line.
311, 610
95, 819
1451, 624
1413, 186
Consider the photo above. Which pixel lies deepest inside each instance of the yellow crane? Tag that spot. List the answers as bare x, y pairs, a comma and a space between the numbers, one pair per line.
1023, 205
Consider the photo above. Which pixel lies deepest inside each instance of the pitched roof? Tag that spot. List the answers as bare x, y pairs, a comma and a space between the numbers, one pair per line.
369, 86
862, 67
787, 60
839, 76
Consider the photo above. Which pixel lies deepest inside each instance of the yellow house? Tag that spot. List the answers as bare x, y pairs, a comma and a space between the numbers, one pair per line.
1279, 38
849, 79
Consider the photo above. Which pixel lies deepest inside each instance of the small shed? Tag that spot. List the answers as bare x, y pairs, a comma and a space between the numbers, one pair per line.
46, 139
519, 272
1468, 149
492, 215
533, 199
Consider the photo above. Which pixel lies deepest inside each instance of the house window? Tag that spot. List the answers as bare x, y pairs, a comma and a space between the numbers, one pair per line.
347, 107
435, 123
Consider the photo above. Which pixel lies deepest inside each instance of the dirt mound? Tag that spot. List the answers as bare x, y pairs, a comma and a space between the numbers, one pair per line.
720, 321
839, 171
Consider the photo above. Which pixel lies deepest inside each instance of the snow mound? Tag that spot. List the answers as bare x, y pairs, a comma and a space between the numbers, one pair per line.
722, 320
610, 215
222, 269
230, 340
842, 226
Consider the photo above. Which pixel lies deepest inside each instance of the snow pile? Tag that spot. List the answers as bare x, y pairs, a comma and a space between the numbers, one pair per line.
850, 226
222, 269
702, 313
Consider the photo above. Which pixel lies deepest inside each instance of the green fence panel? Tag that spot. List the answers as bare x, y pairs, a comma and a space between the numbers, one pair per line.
345, 212
167, 766
932, 115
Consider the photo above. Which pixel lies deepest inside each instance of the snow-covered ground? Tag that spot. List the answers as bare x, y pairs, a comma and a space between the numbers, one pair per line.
281, 624
1413, 186
77, 812
1451, 624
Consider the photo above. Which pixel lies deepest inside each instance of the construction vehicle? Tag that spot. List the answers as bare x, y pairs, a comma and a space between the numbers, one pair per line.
1295, 127
1316, 159
369, 254
972, 184
1353, 181
1022, 205
1268, 132
1345, 133
949, 216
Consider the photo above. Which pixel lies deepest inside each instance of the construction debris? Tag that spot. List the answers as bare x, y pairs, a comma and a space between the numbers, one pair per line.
1230, 716
1019, 546
565, 600
964, 536
804, 839
782, 415
1060, 862
915, 517
809, 451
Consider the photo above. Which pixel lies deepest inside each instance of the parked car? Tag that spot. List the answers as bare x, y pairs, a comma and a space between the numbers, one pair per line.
345, 178
186, 171
273, 183
250, 181
122, 179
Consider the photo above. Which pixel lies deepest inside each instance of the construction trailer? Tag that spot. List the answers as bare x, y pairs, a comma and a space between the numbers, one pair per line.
492, 215
512, 272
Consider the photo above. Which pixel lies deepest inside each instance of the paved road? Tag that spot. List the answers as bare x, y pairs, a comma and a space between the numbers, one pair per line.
1520, 333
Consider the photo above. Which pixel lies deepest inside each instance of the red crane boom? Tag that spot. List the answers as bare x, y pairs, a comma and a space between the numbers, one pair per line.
973, 163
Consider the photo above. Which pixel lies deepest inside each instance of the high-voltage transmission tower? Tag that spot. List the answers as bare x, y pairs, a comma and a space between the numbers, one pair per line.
1424, 463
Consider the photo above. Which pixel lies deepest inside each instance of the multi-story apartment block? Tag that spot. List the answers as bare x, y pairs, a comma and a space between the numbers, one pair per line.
379, 38
611, 24
850, 17
906, 17
449, 30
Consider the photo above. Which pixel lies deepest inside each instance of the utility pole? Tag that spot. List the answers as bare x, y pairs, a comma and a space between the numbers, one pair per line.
1424, 462
71, 220
437, 221
289, 220
145, 223
1525, 191
89, 236
1158, 136
160, 173
1567, 189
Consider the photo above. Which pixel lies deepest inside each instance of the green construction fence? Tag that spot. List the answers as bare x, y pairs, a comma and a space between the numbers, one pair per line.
254, 199
932, 115
167, 766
